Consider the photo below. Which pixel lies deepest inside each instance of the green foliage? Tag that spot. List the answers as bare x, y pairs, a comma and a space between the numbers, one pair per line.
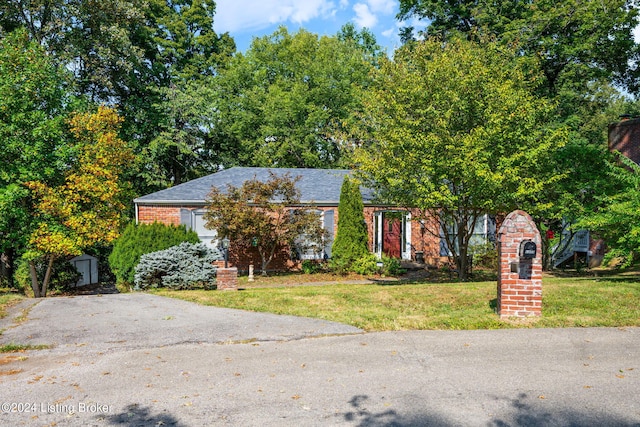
260, 214
618, 220
137, 240
32, 132
455, 130
368, 264
391, 266
573, 40
352, 241
281, 102
310, 267
64, 275
484, 256
365, 264
178, 267
129, 53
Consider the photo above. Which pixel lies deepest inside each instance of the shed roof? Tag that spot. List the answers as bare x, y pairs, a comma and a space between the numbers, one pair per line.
317, 186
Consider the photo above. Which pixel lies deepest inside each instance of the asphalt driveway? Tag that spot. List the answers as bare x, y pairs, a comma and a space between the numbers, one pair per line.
144, 360
139, 320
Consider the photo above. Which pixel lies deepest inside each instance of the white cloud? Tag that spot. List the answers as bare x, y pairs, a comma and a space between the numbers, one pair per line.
389, 33
368, 12
247, 15
382, 6
364, 17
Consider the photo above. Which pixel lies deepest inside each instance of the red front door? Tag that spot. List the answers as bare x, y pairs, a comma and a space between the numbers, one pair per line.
391, 236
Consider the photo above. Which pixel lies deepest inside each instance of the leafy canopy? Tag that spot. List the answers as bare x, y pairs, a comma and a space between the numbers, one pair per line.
280, 102
87, 209
262, 215
575, 41
454, 129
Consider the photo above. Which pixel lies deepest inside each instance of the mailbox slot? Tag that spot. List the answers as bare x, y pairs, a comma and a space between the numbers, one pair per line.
528, 249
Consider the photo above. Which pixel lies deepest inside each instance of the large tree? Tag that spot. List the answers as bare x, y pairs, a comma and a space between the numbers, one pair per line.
280, 102
454, 129
87, 209
33, 138
618, 219
262, 215
134, 55
576, 41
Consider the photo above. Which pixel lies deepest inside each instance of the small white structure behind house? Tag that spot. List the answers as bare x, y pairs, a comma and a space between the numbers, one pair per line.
87, 266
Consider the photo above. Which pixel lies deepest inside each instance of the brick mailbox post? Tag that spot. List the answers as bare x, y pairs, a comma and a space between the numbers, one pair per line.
520, 269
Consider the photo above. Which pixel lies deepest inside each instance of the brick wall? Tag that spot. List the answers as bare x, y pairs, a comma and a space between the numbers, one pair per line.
424, 239
624, 137
169, 215
519, 280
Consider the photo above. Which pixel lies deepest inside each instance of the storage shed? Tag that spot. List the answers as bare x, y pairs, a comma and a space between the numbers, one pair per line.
87, 266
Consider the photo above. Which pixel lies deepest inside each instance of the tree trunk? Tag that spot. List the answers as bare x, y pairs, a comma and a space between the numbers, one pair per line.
40, 291
47, 276
8, 268
463, 250
35, 285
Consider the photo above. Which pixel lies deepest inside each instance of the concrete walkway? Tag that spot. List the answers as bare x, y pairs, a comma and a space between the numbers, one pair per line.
144, 360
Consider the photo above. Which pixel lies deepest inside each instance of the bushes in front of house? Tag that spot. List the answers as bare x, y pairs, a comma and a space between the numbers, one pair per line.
351, 243
183, 266
137, 240
369, 264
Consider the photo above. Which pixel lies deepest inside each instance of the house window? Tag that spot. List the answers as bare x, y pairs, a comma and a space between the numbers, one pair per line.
194, 220
305, 249
484, 232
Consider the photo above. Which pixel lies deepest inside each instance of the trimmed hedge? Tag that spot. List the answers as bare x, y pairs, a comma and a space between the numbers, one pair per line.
137, 240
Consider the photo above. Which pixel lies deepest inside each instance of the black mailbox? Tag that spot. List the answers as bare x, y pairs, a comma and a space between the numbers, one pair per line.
527, 249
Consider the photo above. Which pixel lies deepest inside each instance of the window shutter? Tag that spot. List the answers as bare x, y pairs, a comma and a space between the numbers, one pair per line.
185, 218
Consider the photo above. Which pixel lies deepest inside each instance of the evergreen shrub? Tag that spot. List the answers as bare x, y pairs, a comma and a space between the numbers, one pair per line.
179, 267
137, 240
352, 240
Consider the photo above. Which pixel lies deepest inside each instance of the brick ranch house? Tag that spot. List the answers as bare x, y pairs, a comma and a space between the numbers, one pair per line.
392, 231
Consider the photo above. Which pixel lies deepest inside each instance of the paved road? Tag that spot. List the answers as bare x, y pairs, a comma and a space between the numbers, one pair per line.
144, 360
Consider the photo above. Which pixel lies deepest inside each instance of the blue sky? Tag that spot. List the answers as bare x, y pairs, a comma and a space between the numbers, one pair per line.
245, 19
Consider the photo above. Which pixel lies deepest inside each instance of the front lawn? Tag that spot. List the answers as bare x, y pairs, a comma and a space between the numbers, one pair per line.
567, 302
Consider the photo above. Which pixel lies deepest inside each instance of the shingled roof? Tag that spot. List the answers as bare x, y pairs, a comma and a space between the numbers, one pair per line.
317, 186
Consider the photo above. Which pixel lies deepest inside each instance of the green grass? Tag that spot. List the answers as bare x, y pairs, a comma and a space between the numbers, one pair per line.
567, 302
14, 348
